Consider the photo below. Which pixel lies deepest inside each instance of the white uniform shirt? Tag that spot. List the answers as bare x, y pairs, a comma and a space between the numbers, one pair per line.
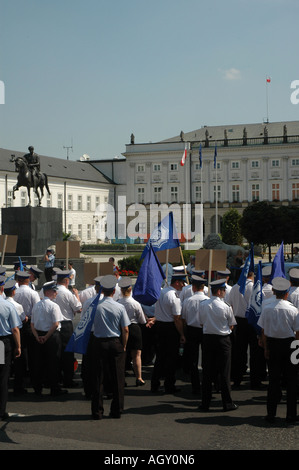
27, 297
187, 291
168, 305
45, 313
87, 293
238, 301
73, 280
68, 302
279, 319
267, 291
216, 316
190, 309
133, 309
18, 307
294, 296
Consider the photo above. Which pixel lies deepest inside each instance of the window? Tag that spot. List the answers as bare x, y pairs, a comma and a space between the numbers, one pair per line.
157, 167
275, 192
59, 201
69, 228
70, 202
173, 167
80, 231
140, 168
79, 203
88, 231
275, 163
140, 195
174, 194
197, 166
197, 193
88, 203
218, 193
97, 201
235, 165
295, 191
9, 199
157, 194
49, 200
255, 164
236, 192
295, 162
255, 192
23, 198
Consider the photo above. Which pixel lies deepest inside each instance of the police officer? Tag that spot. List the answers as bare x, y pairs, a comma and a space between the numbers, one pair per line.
45, 324
69, 304
279, 321
27, 297
267, 286
35, 273
225, 274
10, 339
19, 363
217, 319
294, 289
170, 334
193, 330
110, 330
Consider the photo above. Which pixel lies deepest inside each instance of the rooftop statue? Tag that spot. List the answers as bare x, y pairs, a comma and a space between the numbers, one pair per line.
30, 175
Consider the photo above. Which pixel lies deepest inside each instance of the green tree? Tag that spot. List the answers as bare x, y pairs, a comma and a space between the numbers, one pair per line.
230, 230
260, 224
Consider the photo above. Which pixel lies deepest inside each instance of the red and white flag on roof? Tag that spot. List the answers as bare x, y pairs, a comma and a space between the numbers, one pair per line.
268, 79
184, 156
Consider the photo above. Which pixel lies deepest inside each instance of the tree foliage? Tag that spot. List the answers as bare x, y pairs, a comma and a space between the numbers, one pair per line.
231, 231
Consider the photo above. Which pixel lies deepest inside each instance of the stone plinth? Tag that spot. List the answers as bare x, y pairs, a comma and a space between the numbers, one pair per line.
36, 228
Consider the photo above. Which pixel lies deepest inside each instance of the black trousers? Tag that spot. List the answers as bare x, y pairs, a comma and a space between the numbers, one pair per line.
108, 354
245, 335
67, 358
46, 362
5, 371
191, 355
216, 360
168, 340
280, 365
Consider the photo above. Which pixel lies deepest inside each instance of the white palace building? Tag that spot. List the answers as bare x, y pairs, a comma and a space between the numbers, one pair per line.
254, 162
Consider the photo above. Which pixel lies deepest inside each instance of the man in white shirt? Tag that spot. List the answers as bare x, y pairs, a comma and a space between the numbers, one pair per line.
217, 319
279, 321
69, 304
193, 330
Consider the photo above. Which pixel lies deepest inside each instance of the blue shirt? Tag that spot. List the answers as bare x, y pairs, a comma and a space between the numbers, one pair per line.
9, 318
110, 318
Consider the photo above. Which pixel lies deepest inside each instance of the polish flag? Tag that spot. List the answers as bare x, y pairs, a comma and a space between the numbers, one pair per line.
268, 79
184, 157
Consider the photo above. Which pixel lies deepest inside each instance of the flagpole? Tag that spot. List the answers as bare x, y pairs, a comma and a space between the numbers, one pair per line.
216, 193
186, 192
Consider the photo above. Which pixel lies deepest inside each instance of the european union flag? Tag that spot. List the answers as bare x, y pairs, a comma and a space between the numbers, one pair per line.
78, 342
164, 236
254, 309
278, 269
215, 156
147, 288
200, 157
243, 276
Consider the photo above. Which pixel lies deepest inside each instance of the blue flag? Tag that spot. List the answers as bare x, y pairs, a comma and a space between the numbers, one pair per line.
200, 157
215, 156
278, 269
78, 342
243, 276
254, 309
164, 236
21, 264
147, 288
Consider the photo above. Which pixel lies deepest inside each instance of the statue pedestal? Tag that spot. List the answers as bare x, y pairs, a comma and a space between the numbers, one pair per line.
36, 228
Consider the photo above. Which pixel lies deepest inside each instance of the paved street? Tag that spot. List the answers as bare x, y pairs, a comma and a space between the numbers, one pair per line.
150, 422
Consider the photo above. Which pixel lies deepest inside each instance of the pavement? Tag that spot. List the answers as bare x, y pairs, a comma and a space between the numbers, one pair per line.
151, 423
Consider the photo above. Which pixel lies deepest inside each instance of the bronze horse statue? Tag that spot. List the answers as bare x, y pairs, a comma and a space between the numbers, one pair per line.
26, 178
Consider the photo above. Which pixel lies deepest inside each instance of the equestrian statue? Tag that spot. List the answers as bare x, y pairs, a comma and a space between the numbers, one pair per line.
30, 175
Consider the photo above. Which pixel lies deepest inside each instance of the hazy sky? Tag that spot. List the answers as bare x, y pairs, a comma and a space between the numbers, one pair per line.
88, 73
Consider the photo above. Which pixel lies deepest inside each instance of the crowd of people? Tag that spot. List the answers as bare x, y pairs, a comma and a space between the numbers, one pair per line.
202, 328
